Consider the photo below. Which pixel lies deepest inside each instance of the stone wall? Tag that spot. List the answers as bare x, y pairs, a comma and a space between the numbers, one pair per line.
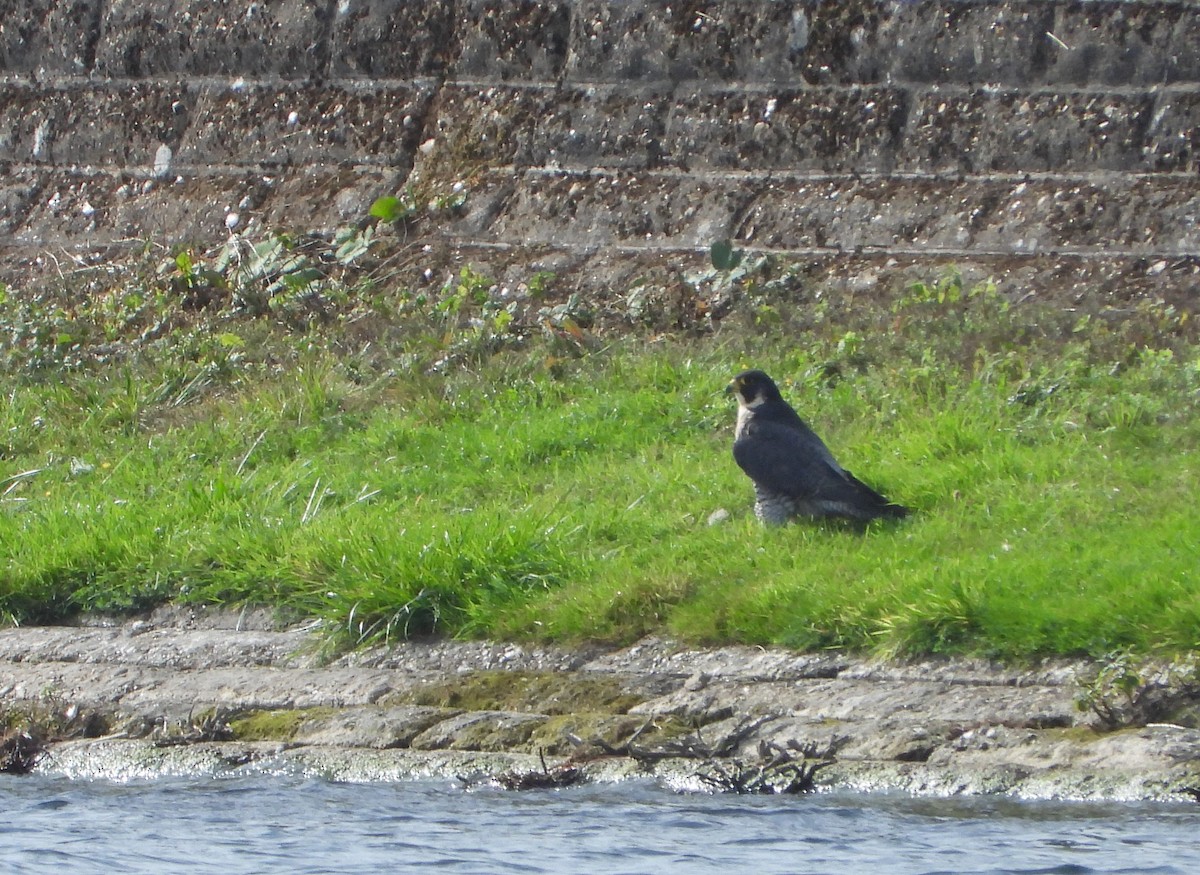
1053, 144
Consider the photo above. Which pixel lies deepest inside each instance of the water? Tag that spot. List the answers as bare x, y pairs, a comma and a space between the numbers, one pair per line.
264, 824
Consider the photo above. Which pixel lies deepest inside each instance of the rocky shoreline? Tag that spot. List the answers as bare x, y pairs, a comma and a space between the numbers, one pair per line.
185, 691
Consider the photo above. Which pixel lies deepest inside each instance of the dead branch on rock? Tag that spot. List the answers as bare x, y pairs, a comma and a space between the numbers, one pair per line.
695, 747
1123, 689
563, 775
624, 749
211, 726
691, 746
30, 728
784, 770
20, 751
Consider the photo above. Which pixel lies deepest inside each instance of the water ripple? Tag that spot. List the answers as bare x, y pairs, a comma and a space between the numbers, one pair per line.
304, 825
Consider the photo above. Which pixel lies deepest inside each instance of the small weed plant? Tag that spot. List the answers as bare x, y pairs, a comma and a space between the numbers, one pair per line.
1124, 689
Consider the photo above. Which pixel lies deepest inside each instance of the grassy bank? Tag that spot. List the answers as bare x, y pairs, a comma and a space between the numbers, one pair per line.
427, 466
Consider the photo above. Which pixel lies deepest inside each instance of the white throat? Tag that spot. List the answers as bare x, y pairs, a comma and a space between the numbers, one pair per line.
745, 411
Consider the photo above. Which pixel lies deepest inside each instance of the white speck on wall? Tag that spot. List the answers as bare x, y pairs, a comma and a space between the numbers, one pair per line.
162, 160
798, 37
40, 135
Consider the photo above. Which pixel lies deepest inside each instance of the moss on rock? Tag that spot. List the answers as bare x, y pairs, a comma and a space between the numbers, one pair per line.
275, 725
533, 692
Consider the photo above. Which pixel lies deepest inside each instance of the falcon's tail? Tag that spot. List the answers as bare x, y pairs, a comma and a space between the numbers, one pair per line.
892, 511
871, 505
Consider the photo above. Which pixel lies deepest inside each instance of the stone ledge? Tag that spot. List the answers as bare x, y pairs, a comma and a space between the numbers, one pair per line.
125, 760
933, 727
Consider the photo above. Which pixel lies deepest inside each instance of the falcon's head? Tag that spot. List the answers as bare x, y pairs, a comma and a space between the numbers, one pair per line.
753, 388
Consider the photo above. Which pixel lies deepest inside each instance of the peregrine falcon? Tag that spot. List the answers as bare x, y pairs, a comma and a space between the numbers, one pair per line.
793, 471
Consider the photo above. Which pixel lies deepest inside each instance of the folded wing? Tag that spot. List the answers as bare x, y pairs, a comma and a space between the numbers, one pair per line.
794, 463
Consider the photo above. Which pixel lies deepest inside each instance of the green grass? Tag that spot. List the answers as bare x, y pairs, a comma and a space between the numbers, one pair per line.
533, 493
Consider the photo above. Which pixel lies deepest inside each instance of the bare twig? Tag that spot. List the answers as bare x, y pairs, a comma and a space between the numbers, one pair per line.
213, 726
20, 752
563, 775
778, 771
